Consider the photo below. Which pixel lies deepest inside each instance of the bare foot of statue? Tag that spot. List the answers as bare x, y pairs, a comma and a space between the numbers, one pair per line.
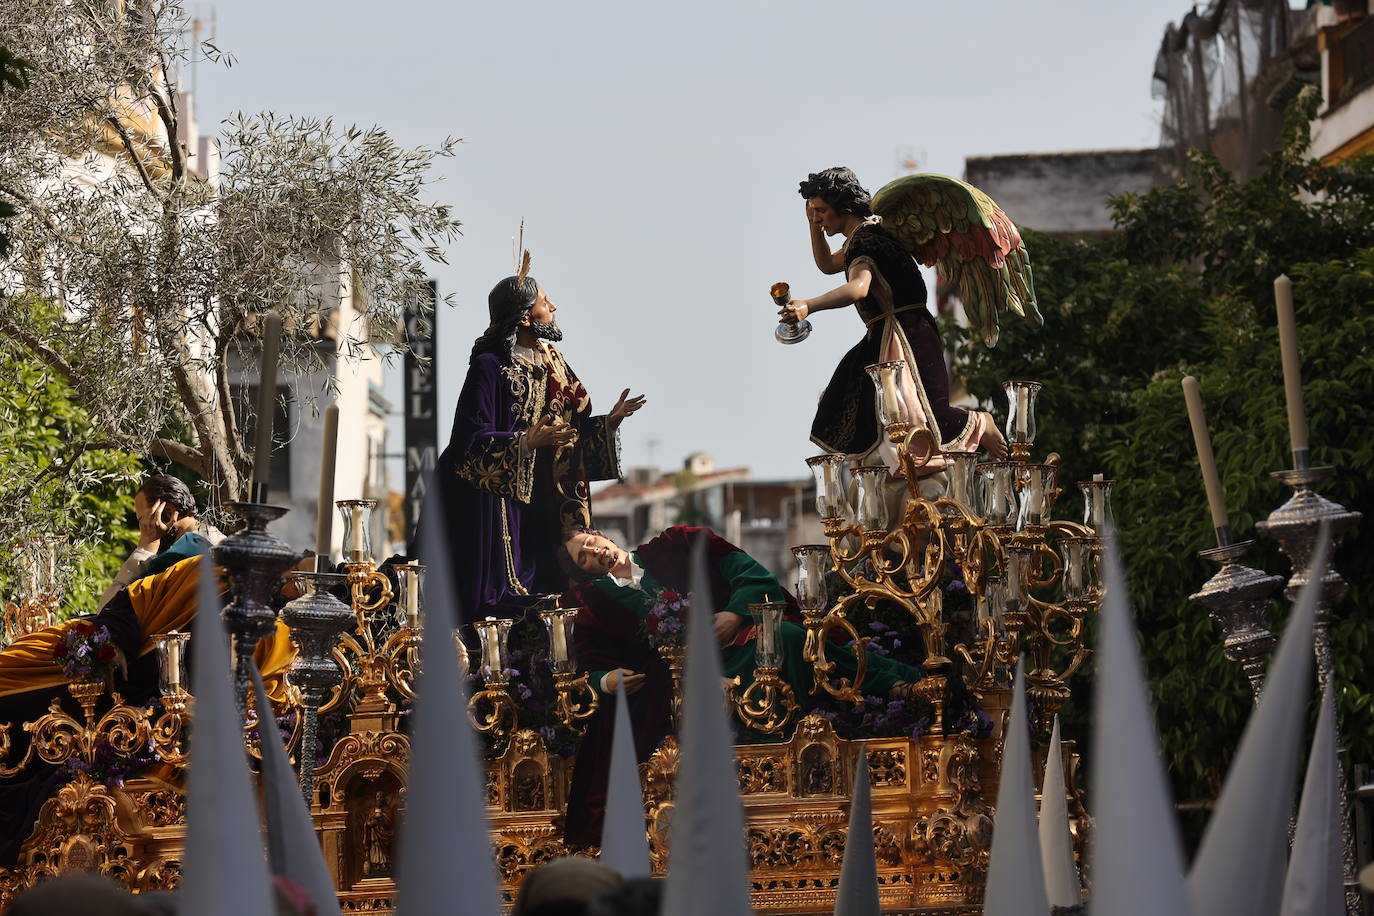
993, 442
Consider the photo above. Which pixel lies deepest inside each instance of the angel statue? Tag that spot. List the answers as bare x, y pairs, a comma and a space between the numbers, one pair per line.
935, 220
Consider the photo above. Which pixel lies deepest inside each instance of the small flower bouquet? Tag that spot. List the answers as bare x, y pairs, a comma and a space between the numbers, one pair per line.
665, 624
86, 652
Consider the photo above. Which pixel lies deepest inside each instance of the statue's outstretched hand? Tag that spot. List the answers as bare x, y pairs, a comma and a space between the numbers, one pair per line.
547, 432
794, 311
624, 407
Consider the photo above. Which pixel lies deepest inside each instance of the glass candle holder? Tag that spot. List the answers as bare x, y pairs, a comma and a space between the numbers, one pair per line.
962, 471
357, 528
171, 662
39, 557
1035, 489
1080, 568
887, 383
409, 585
494, 634
1097, 503
831, 501
870, 513
1018, 570
992, 601
461, 647
813, 562
1021, 410
999, 492
767, 634
559, 623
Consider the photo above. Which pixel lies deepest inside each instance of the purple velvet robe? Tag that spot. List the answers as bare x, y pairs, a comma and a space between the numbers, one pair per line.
506, 507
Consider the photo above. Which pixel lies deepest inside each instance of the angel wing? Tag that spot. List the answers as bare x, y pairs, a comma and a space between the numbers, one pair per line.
942, 220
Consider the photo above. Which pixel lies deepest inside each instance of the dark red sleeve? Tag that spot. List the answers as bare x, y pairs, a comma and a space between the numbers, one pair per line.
606, 633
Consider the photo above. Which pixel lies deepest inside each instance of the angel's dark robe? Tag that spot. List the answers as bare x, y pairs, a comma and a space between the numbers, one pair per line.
608, 634
897, 325
506, 506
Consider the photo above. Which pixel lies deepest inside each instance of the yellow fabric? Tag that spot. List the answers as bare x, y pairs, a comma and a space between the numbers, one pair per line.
162, 603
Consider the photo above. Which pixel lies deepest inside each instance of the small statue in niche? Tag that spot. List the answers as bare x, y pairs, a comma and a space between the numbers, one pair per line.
379, 829
817, 772
529, 786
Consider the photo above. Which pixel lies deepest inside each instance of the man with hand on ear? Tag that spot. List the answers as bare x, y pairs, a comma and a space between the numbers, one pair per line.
168, 531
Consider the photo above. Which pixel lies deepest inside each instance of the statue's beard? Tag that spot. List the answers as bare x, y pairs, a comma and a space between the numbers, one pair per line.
546, 331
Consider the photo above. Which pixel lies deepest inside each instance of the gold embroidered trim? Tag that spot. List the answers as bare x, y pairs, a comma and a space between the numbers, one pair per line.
511, 577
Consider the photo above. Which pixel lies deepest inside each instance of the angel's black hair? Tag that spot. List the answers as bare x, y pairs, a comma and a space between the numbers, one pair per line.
508, 303
840, 188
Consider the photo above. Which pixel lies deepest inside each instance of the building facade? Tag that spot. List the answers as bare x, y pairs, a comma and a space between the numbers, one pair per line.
764, 517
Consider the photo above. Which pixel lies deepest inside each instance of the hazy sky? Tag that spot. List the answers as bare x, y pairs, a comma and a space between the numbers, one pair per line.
654, 151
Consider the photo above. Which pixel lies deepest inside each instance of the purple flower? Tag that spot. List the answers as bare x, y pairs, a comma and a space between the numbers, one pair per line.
548, 733
525, 692
82, 650
877, 626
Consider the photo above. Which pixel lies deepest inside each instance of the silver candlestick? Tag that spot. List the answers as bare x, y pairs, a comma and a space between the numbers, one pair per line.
1296, 525
317, 619
254, 561
1236, 597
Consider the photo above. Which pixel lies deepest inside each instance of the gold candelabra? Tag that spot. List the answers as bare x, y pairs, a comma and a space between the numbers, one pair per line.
1033, 578
577, 699
379, 657
57, 736
492, 709
38, 602
769, 703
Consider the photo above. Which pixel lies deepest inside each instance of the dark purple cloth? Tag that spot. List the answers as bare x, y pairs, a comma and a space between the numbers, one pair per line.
846, 419
477, 538
505, 515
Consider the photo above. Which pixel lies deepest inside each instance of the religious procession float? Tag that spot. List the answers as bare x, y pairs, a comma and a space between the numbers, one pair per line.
896, 639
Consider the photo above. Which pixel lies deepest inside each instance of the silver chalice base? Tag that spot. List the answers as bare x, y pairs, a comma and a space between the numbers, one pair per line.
792, 332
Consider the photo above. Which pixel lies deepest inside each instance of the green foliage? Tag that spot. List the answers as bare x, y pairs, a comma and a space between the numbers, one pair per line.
12, 70
49, 487
1185, 287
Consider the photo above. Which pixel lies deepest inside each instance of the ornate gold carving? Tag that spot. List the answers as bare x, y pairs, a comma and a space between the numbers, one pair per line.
763, 774
161, 807
767, 704
887, 767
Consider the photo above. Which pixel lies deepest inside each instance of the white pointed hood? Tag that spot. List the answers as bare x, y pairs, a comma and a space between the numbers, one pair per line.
708, 863
443, 863
1016, 879
1239, 868
224, 870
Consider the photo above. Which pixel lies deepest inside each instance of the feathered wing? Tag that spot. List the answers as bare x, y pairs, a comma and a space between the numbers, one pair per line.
943, 221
